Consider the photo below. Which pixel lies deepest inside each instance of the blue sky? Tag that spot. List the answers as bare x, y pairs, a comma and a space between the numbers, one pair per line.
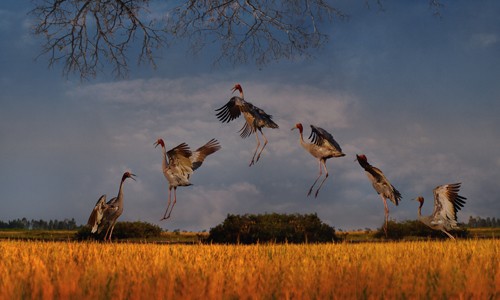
418, 94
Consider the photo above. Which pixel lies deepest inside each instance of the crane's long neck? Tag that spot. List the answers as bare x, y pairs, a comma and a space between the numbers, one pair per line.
120, 192
301, 137
365, 165
164, 163
420, 209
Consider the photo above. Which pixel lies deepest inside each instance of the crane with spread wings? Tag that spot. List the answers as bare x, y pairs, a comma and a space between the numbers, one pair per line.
181, 164
447, 202
255, 119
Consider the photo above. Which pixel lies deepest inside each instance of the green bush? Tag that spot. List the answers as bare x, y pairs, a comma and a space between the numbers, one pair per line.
275, 228
123, 230
415, 228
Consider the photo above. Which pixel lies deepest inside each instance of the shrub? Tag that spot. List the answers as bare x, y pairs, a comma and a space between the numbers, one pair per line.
276, 228
123, 230
415, 228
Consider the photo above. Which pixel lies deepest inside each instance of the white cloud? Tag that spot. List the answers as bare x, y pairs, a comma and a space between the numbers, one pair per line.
484, 40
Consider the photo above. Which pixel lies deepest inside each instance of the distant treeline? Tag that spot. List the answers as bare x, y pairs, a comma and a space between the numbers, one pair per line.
476, 222
70, 224
66, 224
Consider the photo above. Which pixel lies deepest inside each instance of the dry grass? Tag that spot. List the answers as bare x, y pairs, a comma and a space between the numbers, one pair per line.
414, 270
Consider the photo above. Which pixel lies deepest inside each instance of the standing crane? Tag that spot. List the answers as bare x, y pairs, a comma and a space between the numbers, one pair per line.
323, 147
380, 183
256, 118
105, 214
181, 164
447, 202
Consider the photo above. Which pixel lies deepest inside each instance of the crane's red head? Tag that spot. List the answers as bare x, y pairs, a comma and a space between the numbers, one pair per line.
237, 87
361, 157
421, 200
363, 161
298, 126
128, 175
159, 142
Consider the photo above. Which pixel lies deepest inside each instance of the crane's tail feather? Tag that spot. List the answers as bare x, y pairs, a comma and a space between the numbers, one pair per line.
271, 123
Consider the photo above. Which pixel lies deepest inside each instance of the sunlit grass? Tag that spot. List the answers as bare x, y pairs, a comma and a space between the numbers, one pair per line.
463, 269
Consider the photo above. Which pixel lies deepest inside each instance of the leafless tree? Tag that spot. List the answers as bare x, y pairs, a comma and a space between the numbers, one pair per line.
254, 29
86, 35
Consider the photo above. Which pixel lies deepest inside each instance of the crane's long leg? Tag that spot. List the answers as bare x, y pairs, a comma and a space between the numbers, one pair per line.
265, 143
168, 204
320, 173
257, 148
173, 204
107, 231
111, 232
326, 176
386, 210
447, 233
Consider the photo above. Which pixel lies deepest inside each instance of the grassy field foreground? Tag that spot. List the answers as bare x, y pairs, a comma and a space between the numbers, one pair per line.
464, 269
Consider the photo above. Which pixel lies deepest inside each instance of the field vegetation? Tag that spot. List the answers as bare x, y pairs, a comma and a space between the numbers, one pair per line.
465, 269
186, 237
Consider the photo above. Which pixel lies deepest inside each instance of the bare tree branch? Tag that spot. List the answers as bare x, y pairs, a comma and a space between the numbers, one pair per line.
253, 29
84, 34
87, 35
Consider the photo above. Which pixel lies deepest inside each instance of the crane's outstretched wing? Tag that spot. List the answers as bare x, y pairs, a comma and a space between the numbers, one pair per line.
199, 155
247, 129
97, 214
321, 137
233, 109
447, 202
179, 160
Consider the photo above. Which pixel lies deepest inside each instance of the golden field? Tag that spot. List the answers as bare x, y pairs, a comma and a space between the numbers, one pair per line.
466, 269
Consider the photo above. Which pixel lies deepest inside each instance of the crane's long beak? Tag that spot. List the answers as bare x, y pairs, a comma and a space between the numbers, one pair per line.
293, 128
233, 89
156, 144
132, 177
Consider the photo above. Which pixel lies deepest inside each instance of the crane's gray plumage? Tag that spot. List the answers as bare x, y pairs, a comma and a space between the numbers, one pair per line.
323, 147
381, 185
181, 164
104, 215
447, 202
255, 118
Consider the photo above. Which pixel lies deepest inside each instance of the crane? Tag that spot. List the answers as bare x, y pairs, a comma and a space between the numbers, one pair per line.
105, 214
381, 185
447, 202
181, 164
323, 147
255, 118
